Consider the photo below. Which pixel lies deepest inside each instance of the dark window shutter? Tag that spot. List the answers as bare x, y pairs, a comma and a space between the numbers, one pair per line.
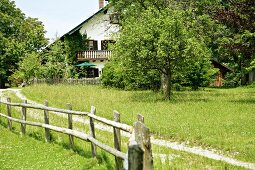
104, 45
95, 46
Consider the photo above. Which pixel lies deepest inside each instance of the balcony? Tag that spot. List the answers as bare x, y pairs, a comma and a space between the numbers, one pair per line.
94, 55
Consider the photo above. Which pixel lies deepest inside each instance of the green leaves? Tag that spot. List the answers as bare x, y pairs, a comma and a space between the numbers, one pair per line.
19, 36
160, 43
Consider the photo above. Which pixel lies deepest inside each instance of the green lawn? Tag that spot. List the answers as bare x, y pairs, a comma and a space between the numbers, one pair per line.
220, 119
28, 153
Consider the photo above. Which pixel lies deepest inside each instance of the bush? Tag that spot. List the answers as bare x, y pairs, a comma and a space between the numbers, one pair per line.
115, 75
232, 80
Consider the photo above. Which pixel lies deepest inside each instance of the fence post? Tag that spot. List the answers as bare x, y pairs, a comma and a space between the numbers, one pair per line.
135, 156
23, 117
46, 121
9, 122
140, 145
140, 118
92, 131
117, 141
70, 126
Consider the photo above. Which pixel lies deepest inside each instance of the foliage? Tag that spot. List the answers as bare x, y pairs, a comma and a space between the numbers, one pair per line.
238, 48
73, 44
56, 63
143, 45
18, 35
197, 74
232, 80
29, 68
115, 75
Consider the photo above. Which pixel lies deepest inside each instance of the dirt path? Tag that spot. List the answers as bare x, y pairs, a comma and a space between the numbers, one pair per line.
158, 142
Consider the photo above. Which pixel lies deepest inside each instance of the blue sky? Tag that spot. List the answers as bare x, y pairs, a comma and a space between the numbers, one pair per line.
58, 16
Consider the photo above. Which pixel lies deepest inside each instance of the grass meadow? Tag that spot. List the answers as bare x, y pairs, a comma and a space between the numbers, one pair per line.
27, 153
221, 119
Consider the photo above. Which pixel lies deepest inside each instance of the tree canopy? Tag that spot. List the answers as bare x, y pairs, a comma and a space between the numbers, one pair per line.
164, 40
19, 35
238, 48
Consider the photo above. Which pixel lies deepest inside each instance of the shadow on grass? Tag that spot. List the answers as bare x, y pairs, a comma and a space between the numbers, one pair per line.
76, 149
4, 124
177, 97
244, 101
40, 137
104, 159
101, 158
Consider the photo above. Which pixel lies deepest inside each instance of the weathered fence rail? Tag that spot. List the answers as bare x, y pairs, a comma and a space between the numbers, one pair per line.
83, 81
139, 149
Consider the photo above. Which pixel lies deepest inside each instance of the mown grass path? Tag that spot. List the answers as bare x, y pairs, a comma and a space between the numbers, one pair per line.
173, 145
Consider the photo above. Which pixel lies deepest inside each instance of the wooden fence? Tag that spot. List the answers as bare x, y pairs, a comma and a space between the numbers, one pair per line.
67, 81
139, 148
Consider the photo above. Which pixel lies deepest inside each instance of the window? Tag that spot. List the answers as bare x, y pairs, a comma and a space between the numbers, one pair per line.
93, 45
105, 44
92, 72
114, 18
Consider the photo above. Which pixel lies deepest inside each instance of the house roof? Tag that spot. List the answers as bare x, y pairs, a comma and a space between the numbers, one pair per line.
88, 19
214, 62
80, 25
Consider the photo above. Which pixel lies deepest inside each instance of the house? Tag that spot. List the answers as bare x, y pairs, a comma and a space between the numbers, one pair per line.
101, 30
223, 70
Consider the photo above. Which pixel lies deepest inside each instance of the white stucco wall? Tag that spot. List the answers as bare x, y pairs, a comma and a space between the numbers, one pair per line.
99, 28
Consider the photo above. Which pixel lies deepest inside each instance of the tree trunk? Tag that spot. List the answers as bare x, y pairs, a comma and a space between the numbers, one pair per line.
166, 83
2, 84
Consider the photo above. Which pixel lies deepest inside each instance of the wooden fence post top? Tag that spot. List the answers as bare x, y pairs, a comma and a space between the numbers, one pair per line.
69, 106
93, 110
140, 118
46, 103
116, 116
142, 133
142, 137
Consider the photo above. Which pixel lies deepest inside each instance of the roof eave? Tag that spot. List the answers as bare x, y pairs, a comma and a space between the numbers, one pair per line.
81, 24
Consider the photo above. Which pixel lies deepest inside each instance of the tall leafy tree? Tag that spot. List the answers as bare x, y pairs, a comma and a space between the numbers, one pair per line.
164, 40
18, 36
56, 63
238, 48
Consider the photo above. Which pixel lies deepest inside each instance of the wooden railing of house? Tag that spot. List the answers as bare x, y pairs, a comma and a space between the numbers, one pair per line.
94, 55
139, 148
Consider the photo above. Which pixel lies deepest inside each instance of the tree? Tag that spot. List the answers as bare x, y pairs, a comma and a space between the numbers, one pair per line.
29, 68
238, 48
56, 64
18, 35
163, 40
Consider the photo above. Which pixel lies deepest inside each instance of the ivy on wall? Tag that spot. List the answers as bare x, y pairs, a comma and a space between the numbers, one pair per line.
73, 44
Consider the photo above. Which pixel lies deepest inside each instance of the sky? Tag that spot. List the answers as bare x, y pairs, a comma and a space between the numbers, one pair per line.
58, 16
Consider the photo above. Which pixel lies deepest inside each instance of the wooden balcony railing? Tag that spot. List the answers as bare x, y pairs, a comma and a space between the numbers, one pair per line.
94, 55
